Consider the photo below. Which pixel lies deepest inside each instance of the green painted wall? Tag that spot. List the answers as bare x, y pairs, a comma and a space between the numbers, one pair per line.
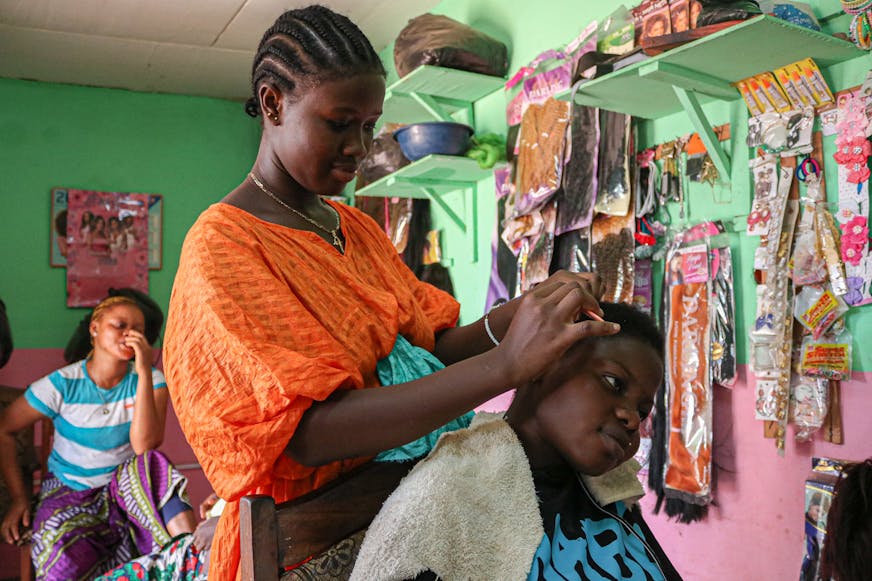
192, 150
528, 28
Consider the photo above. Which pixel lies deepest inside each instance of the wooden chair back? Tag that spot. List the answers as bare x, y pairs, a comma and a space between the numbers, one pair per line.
274, 537
32, 460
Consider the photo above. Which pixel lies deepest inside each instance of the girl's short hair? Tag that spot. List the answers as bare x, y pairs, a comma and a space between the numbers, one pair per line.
634, 323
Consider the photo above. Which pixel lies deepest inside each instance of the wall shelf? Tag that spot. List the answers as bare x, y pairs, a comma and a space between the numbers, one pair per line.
435, 93
690, 75
432, 178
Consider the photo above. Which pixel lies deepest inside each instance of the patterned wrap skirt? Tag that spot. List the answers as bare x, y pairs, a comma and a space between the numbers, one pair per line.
79, 534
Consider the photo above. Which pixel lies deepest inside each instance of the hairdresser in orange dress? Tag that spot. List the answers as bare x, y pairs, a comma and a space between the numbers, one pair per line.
284, 303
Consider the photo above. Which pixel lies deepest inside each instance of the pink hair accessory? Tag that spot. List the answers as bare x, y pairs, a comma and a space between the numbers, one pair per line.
854, 150
758, 217
852, 117
859, 173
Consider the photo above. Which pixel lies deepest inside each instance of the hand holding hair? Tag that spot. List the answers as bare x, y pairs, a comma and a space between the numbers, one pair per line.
546, 324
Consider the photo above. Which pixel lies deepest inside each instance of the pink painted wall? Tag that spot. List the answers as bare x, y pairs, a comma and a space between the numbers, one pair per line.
27, 365
756, 529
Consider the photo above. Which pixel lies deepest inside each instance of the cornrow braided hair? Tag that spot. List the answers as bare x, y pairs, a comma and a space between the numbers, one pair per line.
309, 45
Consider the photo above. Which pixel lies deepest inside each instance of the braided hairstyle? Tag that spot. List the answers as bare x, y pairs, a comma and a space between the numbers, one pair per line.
309, 45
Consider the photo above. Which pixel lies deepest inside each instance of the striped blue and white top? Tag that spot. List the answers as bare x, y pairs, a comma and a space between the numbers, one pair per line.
92, 425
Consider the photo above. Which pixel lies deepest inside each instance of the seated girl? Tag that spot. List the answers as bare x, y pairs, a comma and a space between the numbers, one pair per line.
109, 496
546, 491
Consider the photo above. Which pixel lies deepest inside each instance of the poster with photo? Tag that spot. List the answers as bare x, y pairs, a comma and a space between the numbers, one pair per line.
107, 244
59, 240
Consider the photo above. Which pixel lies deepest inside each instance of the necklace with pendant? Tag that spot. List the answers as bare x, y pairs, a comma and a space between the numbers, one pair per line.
334, 232
103, 399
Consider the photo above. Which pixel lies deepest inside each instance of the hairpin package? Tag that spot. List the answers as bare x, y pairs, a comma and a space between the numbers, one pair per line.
809, 400
829, 356
765, 191
817, 308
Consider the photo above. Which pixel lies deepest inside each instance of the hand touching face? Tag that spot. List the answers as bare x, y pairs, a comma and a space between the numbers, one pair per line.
120, 333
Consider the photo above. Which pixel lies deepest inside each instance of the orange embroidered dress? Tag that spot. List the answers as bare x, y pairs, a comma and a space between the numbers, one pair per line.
263, 321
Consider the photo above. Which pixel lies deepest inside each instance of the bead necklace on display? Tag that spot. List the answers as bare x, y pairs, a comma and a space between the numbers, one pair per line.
337, 241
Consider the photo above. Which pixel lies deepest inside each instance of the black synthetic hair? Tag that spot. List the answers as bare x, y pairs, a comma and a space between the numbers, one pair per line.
307, 46
847, 551
634, 323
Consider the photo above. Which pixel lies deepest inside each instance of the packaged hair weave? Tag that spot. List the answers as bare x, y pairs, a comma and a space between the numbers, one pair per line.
575, 199
688, 471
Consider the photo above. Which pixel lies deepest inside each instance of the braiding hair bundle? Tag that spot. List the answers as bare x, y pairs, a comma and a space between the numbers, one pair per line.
307, 46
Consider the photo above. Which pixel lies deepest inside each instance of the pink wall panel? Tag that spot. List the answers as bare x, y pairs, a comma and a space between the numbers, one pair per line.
756, 529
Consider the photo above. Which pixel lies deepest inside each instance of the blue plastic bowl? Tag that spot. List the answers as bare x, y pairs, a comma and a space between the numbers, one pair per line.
439, 137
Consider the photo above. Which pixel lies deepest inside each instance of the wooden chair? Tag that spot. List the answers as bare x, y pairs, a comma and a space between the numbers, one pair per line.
275, 537
31, 459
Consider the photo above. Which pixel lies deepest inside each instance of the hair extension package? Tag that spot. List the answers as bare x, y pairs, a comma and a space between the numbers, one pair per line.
433, 39
819, 485
688, 470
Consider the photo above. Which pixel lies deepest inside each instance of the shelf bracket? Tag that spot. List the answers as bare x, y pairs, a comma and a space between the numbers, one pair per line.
449, 211
472, 237
706, 133
429, 104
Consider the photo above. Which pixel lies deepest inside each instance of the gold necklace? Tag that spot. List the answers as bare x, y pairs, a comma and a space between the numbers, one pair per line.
337, 241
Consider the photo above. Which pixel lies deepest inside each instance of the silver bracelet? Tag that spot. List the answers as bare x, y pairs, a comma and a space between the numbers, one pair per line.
487, 330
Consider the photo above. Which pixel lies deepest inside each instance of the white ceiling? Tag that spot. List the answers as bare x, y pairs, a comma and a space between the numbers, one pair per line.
192, 47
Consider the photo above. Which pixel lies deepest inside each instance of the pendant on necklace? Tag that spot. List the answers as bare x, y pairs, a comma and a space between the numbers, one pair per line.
105, 411
337, 242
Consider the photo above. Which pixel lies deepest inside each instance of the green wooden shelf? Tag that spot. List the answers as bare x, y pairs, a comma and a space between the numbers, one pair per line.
690, 75
707, 66
435, 93
432, 178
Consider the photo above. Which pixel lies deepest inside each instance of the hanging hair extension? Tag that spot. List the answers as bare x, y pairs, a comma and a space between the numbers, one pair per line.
684, 512
309, 45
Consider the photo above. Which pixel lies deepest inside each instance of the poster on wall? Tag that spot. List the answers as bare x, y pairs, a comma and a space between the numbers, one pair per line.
107, 244
60, 240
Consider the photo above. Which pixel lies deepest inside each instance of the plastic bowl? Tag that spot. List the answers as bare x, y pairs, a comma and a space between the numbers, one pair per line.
439, 137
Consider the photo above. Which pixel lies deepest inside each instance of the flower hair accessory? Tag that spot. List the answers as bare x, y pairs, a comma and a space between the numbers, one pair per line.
858, 173
854, 150
855, 239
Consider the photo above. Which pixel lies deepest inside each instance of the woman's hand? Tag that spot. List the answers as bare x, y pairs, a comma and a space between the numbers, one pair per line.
207, 505
588, 281
546, 323
141, 350
17, 515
